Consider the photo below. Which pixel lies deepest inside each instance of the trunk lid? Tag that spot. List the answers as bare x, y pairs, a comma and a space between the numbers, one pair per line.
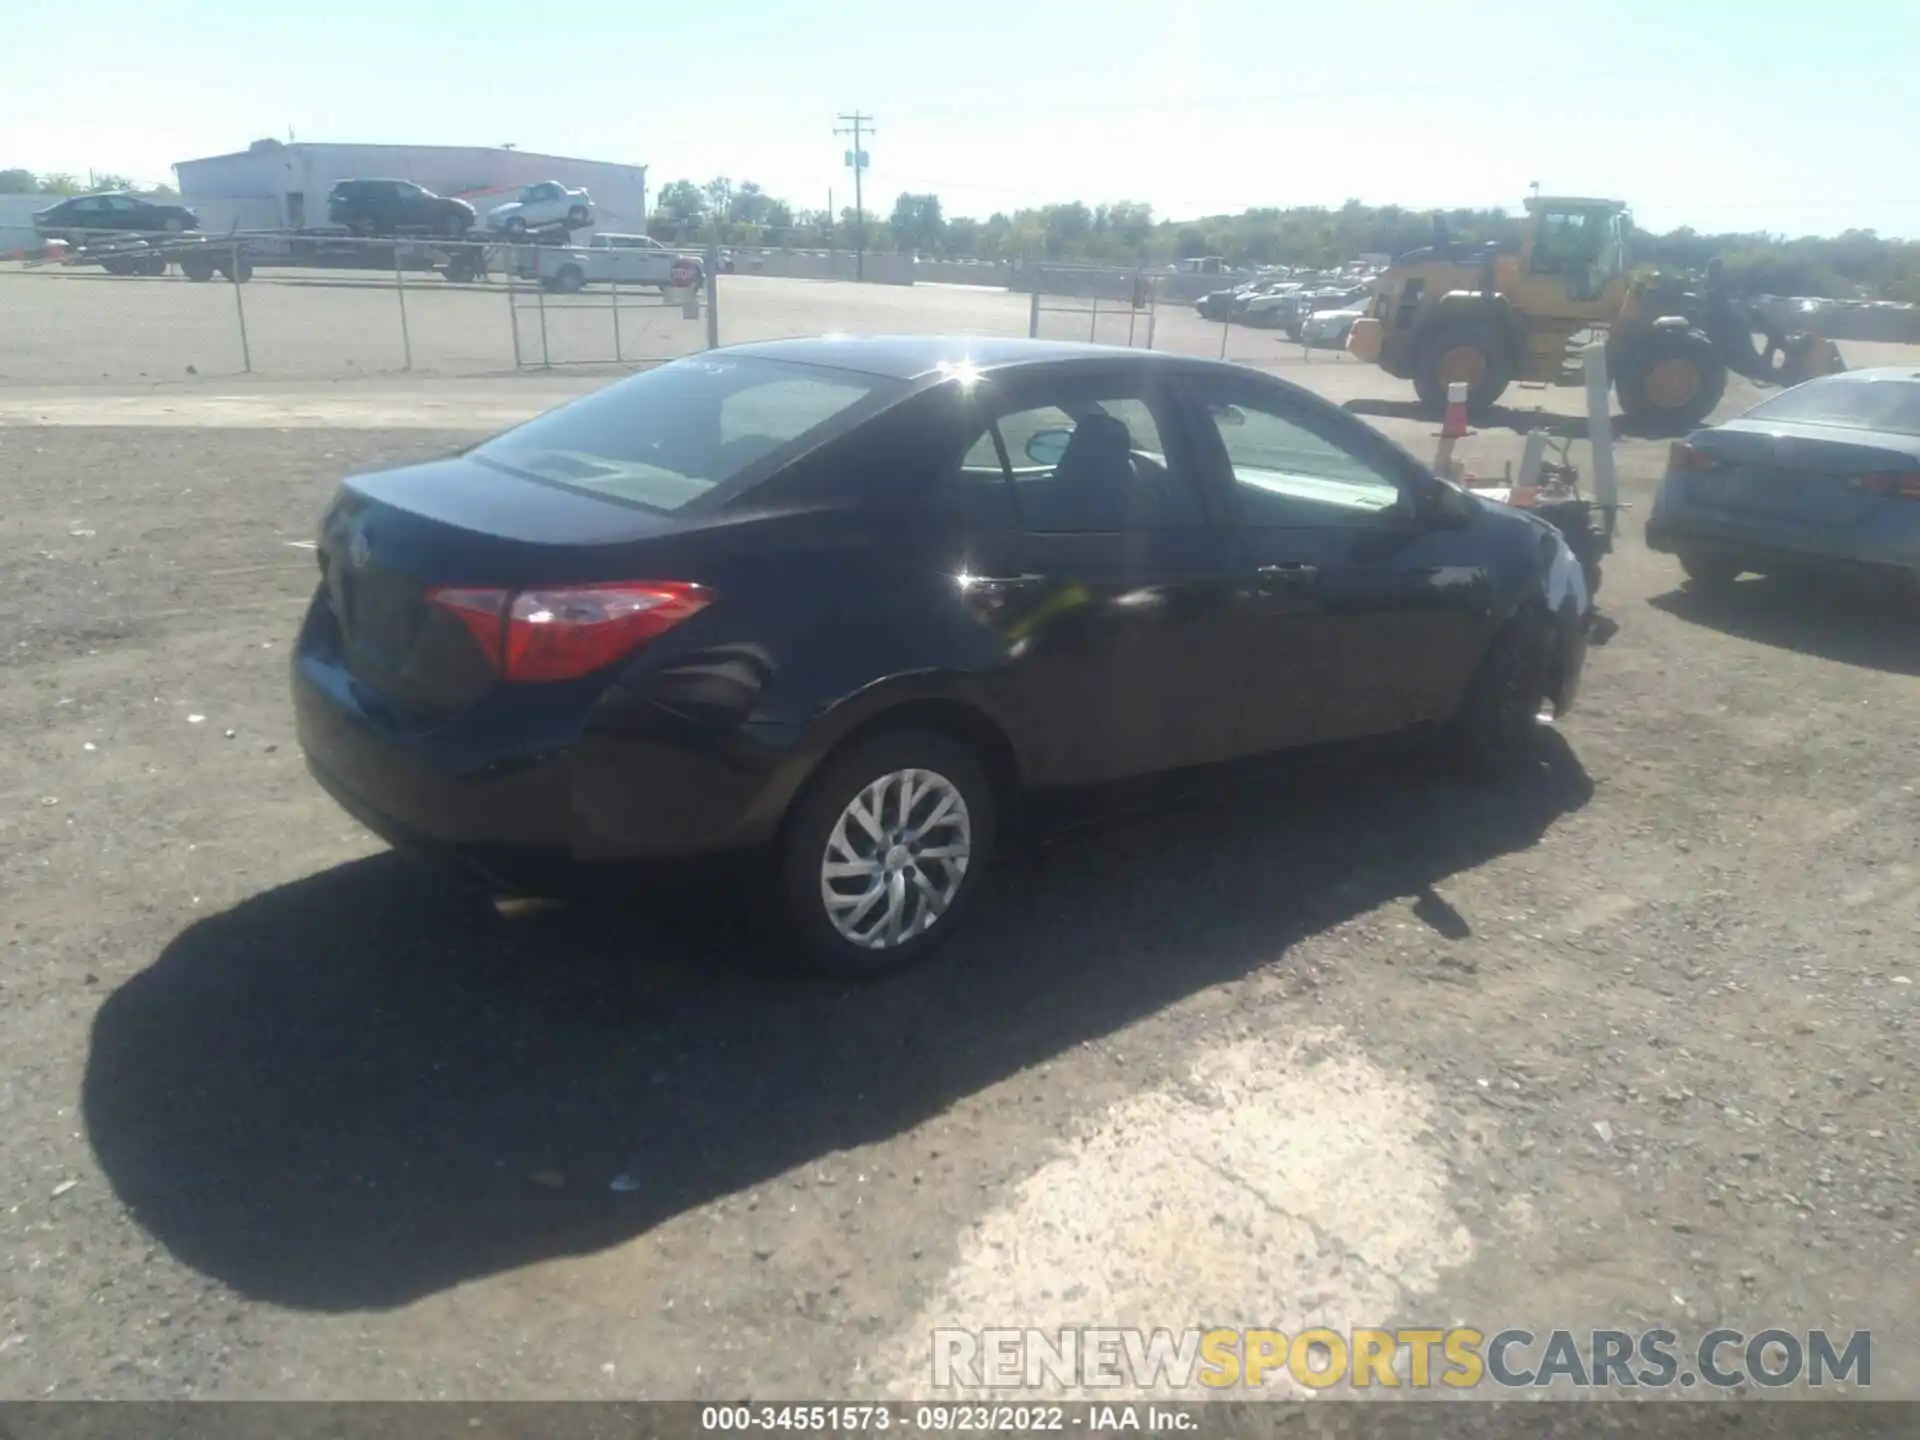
391, 538
1798, 473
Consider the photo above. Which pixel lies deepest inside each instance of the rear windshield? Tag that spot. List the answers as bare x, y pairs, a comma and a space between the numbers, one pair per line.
667, 437
1890, 405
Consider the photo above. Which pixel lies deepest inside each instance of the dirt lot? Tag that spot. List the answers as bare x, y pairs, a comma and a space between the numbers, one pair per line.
1622, 1042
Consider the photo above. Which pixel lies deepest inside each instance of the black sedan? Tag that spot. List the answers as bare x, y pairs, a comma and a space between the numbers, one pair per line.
75, 218
833, 601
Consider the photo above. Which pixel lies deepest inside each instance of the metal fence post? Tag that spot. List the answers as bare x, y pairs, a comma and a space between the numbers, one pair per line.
1225, 326
513, 316
240, 309
713, 297
1093, 323
540, 299
1606, 485
1153, 309
617, 355
400, 290
1033, 311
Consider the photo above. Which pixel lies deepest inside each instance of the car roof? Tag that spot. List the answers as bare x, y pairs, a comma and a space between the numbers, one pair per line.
1878, 372
910, 357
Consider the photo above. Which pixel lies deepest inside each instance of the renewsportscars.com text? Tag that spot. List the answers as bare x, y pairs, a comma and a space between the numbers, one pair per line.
1457, 1358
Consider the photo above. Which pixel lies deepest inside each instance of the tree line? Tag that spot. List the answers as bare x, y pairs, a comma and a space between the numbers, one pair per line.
58, 183
1859, 264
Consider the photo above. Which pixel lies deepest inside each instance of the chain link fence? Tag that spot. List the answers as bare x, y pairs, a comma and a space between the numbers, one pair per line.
331, 307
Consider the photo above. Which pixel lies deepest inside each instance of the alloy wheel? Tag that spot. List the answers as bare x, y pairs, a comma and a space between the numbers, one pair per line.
896, 858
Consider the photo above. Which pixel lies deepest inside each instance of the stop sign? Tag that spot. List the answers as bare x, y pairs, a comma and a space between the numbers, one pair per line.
684, 275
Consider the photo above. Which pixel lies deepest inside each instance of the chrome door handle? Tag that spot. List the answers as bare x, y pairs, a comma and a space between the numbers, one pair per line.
997, 587
1272, 578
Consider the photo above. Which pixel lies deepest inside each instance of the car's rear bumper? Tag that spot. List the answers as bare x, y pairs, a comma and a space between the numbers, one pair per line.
1761, 544
528, 773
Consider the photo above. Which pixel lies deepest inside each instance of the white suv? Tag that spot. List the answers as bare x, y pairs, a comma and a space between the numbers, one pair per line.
537, 206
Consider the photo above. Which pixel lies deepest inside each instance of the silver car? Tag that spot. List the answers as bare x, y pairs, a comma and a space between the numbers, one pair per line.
1824, 475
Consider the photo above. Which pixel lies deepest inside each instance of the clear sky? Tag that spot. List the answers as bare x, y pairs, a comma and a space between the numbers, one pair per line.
1721, 114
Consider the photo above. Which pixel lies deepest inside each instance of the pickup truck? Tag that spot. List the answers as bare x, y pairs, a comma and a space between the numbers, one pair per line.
541, 205
636, 260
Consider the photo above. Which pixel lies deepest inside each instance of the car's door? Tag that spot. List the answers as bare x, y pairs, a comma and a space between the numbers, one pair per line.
89, 213
1082, 535
1361, 613
117, 212
411, 205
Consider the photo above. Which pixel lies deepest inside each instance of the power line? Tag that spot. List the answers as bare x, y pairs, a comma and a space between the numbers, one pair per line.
857, 162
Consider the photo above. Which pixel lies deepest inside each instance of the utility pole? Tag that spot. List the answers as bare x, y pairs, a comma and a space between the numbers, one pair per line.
857, 125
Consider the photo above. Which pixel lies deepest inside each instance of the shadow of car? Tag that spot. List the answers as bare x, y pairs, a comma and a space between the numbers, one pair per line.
1851, 621
333, 1096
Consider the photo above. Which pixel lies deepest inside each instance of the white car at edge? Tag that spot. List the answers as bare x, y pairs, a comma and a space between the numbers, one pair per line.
546, 203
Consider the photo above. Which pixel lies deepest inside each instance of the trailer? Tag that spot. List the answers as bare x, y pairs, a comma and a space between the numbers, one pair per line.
238, 254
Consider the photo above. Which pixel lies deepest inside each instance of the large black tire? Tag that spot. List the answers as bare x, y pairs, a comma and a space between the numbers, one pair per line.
804, 842
577, 216
1498, 719
1669, 381
198, 268
1711, 572
568, 278
1444, 352
515, 225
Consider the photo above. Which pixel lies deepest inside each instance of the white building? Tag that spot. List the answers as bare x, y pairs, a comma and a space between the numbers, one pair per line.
270, 184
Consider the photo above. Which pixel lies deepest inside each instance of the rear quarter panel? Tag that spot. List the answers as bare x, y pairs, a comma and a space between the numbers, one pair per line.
819, 624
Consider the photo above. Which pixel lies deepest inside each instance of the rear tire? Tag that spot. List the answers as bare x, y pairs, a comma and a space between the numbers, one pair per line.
820, 830
577, 216
197, 268
1473, 350
569, 279
1709, 571
1498, 719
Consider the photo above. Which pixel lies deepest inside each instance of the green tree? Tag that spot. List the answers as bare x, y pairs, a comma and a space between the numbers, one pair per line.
917, 223
682, 200
18, 182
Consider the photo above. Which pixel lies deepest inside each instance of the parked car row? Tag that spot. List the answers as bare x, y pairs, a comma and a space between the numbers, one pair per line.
1279, 303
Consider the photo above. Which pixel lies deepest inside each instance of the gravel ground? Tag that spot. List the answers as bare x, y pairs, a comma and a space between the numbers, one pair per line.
1625, 1041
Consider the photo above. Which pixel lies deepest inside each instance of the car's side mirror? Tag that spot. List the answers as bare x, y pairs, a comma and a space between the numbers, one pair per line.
1045, 447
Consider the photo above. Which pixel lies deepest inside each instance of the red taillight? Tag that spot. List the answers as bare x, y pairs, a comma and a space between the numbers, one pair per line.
1896, 484
566, 631
1688, 460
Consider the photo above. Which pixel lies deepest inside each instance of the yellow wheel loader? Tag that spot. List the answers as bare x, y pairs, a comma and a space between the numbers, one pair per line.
1493, 315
